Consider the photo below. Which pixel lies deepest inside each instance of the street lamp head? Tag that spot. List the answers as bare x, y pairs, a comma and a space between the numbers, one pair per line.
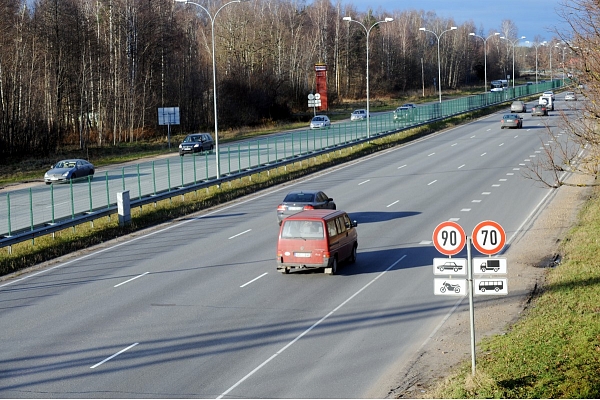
388, 19
347, 18
421, 29
181, 1
453, 28
472, 34
522, 37
496, 33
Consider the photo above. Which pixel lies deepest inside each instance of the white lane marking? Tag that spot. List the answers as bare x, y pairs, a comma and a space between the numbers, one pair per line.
240, 234
501, 144
425, 242
502, 180
432, 182
510, 173
516, 169
495, 185
461, 166
57, 204
483, 154
526, 160
368, 180
532, 156
516, 136
389, 205
486, 193
475, 201
453, 145
522, 164
429, 155
113, 356
313, 326
255, 279
474, 135
129, 280
465, 210
454, 219
402, 166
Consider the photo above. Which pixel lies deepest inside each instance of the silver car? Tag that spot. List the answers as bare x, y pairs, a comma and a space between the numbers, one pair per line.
301, 200
358, 115
65, 170
518, 107
320, 121
570, 96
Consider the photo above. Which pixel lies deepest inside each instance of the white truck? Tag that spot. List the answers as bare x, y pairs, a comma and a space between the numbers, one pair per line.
547, 100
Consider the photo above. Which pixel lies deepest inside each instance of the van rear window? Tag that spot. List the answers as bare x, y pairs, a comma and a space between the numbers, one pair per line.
302, 229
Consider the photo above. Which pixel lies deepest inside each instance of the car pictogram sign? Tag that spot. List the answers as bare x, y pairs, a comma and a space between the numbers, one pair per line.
449, 238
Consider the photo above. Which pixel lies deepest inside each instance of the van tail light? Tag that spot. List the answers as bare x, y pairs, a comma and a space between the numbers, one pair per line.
281, 207
326, 254
308, 207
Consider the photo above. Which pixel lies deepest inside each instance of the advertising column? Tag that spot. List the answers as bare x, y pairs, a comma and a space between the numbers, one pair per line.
321, 82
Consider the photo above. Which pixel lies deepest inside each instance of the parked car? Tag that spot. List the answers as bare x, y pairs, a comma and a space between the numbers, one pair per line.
409, 105
570, 96
316, 239
511, 121
65, 170
195, 143
300, 200
518, 106
320, 121
403, 114
358, 115
539, 110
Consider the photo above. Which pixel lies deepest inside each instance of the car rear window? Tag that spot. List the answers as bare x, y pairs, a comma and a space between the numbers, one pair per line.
302, 229
299, 198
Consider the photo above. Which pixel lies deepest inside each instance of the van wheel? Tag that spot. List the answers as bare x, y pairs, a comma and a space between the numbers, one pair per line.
285, 271
352, 258
333, 268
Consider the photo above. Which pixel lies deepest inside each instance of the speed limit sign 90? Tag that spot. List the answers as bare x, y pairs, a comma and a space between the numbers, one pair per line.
489, 237
449, 238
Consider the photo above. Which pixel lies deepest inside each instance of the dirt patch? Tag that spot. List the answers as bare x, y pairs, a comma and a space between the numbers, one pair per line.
529, 257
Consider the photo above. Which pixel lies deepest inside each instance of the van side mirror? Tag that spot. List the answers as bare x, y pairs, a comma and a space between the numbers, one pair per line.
354, 224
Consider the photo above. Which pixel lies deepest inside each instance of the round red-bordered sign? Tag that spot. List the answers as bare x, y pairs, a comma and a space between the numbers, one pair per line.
489, 237
449, 238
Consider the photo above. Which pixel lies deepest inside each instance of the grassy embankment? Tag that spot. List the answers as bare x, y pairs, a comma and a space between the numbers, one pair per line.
554, 350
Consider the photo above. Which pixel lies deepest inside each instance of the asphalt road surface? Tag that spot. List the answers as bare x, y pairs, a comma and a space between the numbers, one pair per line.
196, 308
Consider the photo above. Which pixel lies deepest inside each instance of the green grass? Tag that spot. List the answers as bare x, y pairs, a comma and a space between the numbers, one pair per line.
554, 351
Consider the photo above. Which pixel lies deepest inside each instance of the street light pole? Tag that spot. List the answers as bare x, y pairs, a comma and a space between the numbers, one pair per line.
484, 53
513, 51
438, 55
367, 31
536, 58
214, 68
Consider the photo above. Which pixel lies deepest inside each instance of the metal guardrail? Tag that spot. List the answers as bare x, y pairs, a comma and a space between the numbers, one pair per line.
276, 151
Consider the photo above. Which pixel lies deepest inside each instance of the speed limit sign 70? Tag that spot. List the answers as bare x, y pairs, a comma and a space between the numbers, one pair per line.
489, 237
449, 238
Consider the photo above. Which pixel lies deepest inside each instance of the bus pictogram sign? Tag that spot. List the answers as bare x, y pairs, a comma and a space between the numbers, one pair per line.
449, 238
489, 237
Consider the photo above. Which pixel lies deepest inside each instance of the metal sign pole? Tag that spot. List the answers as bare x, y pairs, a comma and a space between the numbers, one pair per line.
471, 308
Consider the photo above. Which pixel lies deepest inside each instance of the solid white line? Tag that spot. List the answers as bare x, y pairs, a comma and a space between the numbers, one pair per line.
425, 242
389, 205
364, 182
129, 280
454, 219
461, 166
255, 279
308, 330
113, 356
432, 182
240, 234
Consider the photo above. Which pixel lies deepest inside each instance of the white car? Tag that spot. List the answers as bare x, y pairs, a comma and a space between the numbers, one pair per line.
358, 115
549, 93
570, 96
320, 121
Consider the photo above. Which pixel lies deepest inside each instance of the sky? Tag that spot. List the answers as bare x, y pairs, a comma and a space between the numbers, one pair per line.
531, 17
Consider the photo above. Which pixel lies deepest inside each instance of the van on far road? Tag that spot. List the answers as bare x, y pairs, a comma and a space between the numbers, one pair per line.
316, 239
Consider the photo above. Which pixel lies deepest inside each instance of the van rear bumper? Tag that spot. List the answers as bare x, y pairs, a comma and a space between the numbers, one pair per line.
282, 265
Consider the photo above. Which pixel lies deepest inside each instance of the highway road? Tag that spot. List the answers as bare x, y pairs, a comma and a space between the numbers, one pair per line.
195, 308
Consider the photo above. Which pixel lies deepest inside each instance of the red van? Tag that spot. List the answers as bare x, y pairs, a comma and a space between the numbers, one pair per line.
316, 239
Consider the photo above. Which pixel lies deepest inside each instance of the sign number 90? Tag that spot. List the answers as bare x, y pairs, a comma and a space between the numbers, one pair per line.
449, 238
